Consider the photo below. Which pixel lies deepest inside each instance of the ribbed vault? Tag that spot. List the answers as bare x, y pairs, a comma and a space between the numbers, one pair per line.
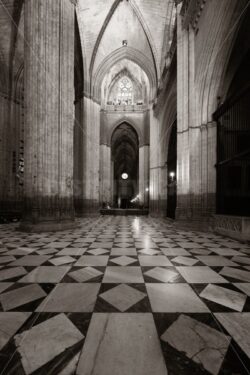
106, 26
125, 151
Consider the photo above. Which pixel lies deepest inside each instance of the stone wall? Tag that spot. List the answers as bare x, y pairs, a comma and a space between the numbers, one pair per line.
203, 49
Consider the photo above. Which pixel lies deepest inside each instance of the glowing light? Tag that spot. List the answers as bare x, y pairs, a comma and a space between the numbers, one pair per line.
124, 176
172, 175
147, 189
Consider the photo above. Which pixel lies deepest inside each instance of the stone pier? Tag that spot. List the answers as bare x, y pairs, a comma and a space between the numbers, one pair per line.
49, 115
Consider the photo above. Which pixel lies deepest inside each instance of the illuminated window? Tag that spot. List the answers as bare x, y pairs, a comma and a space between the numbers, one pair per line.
125, 93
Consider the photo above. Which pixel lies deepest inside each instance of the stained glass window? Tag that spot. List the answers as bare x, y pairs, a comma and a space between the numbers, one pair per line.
125, 93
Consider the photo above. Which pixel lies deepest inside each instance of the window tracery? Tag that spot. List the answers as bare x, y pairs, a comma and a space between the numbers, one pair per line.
124, 92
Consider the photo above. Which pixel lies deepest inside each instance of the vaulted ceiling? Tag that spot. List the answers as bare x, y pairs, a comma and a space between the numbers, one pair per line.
145, 25
124, 68
125, 151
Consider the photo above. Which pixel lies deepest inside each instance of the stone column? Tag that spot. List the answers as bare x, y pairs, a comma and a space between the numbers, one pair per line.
204, 170
105, 174
163, 189
78, 158
112, 183
212, 160
155, 167
189, 202
49, 111
4, 152
144, 175
194, 132
183, 157
91, 157
208, 168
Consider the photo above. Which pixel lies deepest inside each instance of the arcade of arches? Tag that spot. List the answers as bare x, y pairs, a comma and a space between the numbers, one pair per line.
118, 119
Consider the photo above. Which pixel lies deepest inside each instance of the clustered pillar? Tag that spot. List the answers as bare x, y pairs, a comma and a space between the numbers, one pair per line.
144, 175
188, 131
49, 110
105, 170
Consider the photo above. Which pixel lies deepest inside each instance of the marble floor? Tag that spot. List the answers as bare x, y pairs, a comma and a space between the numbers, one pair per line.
123, 296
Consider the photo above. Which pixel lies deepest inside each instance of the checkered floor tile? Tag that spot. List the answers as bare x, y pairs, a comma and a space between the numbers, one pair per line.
124, 286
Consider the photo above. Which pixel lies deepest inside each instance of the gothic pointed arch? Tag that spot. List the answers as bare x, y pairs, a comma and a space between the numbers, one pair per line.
147, 41
135, 89
118, 55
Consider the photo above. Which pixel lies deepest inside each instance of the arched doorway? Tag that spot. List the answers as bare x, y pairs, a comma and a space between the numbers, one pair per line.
171, 163
125, 164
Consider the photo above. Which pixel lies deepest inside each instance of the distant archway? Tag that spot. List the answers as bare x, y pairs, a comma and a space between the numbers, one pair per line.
125, 165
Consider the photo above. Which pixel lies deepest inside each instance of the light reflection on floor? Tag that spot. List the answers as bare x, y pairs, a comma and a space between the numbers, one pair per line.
123, 295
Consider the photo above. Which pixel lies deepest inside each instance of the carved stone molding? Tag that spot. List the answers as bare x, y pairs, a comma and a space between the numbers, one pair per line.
191, 11
228, 223
203, 127
237, 227
212, 124
10, 98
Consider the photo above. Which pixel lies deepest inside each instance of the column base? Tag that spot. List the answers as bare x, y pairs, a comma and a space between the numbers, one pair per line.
193, 217
50, 214
195, 207
200, 225
87, 207
10, 211
158, 208
47, 226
